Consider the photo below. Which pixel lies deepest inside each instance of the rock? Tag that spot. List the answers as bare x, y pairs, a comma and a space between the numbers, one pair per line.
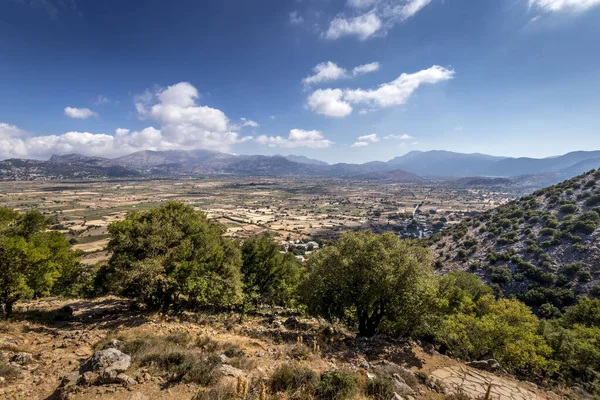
401, 386
138, 396
70, 380
486, 365
396, 396
88, 378
22, 358
371, 376
108, 360
224, 358
125, 380
439, 386
112, 344
228, 370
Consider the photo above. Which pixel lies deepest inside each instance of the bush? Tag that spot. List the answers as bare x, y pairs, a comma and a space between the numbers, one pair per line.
568, 208
500, 275
380, 388
337, 385
293, 378
593, 200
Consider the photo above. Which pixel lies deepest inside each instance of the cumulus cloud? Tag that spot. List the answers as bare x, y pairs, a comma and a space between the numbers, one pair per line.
365, 140
362, 26
365, 68
329, 102
381, 16
183, 125
398, 137
79, 113
338, 102
297, 138
249, 122
372, 138
564, 5
330, 71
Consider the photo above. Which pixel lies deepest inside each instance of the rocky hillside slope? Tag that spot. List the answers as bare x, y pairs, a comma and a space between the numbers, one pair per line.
105, 349
544, 247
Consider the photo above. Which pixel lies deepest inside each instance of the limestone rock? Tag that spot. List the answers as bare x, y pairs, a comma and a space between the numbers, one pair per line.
401, 386
125, 380
396, 396
228, 370
486, 365
106, 361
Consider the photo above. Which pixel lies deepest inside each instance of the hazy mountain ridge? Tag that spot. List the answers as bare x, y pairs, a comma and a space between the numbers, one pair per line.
530, 172
544, 247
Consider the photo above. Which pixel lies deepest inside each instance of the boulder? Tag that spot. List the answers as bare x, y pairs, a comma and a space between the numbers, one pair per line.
486, 365
396, 396
88, 378
125, 380
401, 386
107, 361
228, 370
112, 344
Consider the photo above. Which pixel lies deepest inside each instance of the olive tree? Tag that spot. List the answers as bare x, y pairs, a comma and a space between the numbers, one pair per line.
364, 279
173, 255
32, 259
269, 276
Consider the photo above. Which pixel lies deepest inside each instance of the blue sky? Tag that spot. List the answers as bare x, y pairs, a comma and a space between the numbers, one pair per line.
347, 80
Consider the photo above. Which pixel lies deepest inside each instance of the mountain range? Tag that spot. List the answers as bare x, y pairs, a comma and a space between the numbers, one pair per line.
409, 167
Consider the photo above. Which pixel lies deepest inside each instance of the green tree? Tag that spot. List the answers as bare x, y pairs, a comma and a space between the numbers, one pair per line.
269, 276
31, 259
172, 255
366, 278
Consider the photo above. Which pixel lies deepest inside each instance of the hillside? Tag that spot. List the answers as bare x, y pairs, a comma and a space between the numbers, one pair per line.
50, 344
544, 247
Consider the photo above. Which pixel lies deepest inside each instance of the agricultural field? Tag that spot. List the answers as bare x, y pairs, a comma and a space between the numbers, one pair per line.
288, 208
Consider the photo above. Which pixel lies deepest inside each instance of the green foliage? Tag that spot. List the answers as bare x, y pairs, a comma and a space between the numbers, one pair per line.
380, 388
568, 208
593, 200
32, 260
269, 276
500, 275
337, 385
506, 330
364, 278
294, 379
172, 255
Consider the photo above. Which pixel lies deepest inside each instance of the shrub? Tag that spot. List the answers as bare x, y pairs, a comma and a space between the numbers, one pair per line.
380, 388
293, 378
500, 275
337, 385
568, 208
217, 393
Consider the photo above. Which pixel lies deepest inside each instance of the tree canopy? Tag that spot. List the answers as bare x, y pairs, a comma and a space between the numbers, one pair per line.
171, 255
366, 278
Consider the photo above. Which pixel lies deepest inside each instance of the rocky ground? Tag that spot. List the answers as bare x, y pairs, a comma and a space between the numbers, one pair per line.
65, 349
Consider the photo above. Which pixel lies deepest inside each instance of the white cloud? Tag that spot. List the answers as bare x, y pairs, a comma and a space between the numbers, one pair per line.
383, 15
295, 18
372, 138
398, 137
361, 3
360, 144
297, 138
329, 102
326, 71
79, 113
330, 71
101, 99
365, 68
184, 125
249, 122
564, 5
338, 102
362, 26
399, 90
